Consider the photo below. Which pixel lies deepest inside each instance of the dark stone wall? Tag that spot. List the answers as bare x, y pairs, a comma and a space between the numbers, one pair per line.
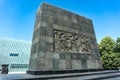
43, 55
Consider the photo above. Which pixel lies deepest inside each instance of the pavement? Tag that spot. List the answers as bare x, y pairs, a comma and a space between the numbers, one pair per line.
100, 75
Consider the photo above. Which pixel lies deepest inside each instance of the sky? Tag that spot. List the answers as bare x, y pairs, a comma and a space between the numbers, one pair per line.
17, 17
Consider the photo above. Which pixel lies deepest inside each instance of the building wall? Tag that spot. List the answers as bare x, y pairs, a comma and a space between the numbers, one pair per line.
16, 53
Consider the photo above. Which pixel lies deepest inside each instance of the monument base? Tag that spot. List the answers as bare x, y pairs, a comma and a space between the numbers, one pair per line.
99, 75
61, 71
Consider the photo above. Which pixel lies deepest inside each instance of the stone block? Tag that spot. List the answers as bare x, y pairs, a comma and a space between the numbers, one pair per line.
56, 64
40, 64
41, 55
48, 55
55, 56
90, 64
76, 64
62, 64
48, 64
49, 46
68, 64
84, 64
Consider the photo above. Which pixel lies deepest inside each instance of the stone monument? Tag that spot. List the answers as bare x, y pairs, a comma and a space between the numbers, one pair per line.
63, 42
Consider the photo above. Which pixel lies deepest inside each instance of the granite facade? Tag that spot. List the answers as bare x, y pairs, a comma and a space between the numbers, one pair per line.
63, 52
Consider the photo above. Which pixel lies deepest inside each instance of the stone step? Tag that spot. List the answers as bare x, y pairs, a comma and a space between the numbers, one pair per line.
106, 76
75, 76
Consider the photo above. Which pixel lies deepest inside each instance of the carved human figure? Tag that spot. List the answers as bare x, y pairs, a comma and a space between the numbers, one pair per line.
87, 44
78, 43
83, 44
62, 41
57, 40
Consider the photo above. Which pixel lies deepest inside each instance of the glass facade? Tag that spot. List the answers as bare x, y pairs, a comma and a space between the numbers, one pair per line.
16, 53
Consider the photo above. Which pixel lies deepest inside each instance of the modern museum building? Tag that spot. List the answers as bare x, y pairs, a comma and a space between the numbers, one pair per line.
15, 53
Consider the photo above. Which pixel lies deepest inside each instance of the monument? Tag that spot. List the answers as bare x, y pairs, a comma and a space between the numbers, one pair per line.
63, 42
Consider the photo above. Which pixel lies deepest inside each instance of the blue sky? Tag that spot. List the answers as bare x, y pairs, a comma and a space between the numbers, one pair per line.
17, 17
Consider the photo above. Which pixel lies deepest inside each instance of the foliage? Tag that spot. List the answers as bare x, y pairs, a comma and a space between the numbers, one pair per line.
111, 60
110, 52
106, 45
117, 46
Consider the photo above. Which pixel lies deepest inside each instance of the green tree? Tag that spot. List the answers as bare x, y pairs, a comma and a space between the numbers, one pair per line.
109, 52
111, 60
117, 46
106, 45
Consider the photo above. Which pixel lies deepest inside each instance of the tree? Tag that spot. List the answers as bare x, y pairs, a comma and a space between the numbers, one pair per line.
106, 45
110, 52
111, 60
117, 46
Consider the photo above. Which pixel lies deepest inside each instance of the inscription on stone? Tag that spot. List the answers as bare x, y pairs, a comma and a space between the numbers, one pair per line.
70, 42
